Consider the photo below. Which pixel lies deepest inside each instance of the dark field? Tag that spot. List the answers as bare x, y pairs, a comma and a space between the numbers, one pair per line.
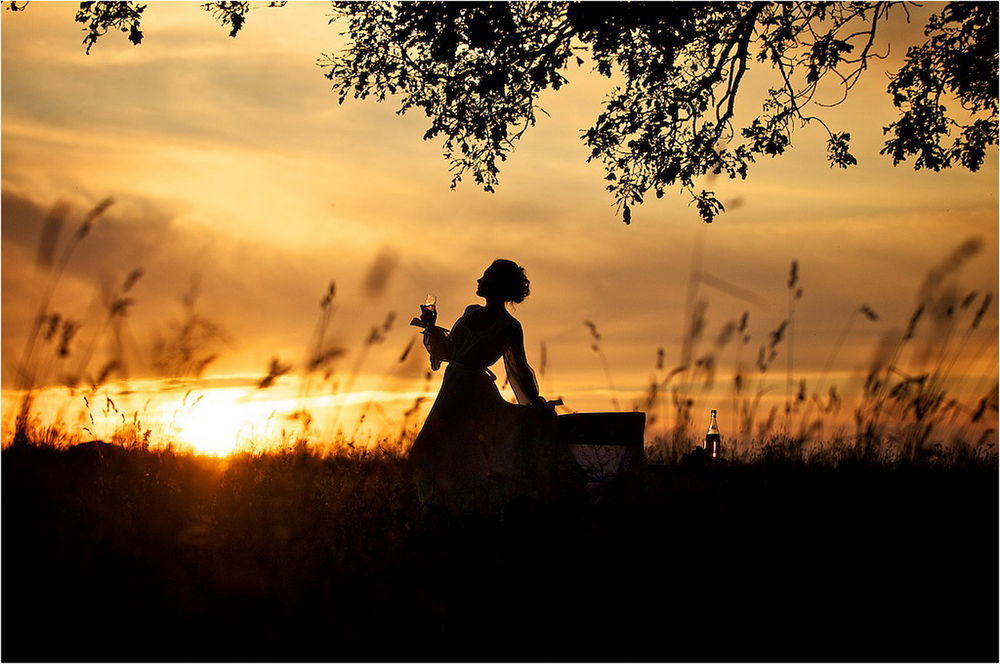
137, 555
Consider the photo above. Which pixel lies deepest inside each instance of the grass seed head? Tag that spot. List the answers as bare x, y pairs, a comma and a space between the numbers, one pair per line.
88, 220
869, 313
983, 308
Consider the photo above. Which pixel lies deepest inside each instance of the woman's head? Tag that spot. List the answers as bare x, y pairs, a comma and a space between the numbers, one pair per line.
505, 280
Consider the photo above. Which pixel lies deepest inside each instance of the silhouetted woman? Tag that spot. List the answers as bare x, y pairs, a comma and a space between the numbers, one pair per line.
476, 450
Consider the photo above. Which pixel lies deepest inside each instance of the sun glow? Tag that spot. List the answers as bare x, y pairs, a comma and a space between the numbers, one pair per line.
219, 421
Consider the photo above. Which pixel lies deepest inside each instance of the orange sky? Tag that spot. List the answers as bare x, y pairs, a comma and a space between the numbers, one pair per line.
231, 160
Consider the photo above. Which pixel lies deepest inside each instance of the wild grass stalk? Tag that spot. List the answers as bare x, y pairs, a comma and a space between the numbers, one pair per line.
27, 371
192, 344
969, 331
383, 384
321, 352
869, 314
115, 305
794, 295
919, 398
742, 331
545, 377
596, 347
694, 311
376, 335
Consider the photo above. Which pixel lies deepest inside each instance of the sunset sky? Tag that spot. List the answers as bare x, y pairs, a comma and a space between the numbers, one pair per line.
230, 162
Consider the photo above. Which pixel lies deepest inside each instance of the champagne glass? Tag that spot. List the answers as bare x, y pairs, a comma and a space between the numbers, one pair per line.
428, 310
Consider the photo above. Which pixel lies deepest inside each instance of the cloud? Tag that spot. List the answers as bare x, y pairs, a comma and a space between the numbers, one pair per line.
264, 296
230, 159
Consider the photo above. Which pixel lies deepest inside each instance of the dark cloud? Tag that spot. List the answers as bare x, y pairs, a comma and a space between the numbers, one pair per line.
263, 296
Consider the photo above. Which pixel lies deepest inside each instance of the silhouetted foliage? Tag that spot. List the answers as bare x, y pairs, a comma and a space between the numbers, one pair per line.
229, 13
99, 17
959, 59
476, 70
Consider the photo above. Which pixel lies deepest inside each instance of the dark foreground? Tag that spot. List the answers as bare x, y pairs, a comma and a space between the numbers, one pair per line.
138, 556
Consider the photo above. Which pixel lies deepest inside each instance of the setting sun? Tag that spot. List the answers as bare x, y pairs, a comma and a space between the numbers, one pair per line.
218, 421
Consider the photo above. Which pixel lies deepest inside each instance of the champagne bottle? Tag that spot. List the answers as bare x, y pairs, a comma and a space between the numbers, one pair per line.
713, 441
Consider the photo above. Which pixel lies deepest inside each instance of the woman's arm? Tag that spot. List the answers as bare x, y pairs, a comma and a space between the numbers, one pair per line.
519, 372
438, 345
437, 341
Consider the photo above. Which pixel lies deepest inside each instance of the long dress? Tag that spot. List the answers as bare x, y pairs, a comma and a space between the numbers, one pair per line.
477, 451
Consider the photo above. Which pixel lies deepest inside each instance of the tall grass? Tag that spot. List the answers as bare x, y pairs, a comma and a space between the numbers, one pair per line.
49, 326
907, 406
295, 554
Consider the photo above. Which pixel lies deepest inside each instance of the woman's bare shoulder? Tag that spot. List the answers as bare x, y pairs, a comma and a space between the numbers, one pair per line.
513, 324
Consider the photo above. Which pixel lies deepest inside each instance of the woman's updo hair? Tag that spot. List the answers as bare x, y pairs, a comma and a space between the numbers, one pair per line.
510, 281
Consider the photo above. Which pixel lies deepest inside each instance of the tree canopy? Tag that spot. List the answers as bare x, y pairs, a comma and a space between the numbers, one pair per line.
675, 70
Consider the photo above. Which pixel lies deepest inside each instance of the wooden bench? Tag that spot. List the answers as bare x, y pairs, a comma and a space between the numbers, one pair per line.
605, 445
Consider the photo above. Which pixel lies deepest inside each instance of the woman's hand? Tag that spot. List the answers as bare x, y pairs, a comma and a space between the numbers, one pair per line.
428, 315
543, 407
